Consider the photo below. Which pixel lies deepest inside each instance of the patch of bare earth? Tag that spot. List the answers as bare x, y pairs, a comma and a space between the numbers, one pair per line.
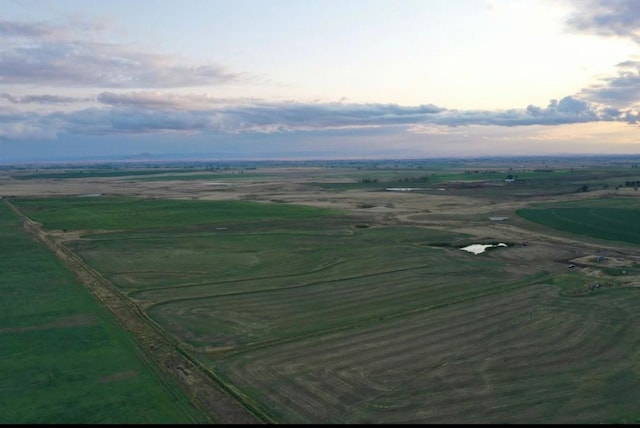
118, 376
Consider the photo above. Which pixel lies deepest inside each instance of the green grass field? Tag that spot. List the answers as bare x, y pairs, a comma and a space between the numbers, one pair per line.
112, 213
63, 357
602, 219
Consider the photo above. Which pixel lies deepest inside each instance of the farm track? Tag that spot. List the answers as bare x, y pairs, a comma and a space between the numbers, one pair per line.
199, 384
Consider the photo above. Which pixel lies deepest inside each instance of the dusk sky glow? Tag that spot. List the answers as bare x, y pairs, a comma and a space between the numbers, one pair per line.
259, 79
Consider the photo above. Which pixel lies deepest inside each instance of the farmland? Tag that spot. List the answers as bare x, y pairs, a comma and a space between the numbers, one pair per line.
311, 294
608, 220
64, 358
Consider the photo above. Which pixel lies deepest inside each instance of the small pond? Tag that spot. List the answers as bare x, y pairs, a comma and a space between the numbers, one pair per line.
480, 248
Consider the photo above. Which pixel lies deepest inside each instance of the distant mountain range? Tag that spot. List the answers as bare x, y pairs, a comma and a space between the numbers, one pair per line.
146, 157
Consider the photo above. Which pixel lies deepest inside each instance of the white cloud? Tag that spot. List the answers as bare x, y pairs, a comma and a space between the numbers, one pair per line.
42, 54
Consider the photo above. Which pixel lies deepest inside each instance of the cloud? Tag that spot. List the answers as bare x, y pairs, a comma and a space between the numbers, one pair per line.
138, 90
620, 18
42, 54
26, 126
39, 30
78, 64
132, 115
300, 116
622, 90
95, 121
166, 101
40, 99
566, 111
156, 112
606, 18
251, 115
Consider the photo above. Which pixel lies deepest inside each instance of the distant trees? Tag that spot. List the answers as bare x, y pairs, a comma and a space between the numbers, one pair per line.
421, 179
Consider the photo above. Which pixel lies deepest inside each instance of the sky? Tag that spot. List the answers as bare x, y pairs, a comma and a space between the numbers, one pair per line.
318, 79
